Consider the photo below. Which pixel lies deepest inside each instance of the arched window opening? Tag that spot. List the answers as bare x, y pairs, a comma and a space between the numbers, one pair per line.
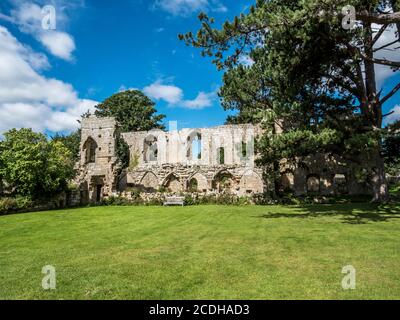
193, 185
221, 155
90, 148
149, 181
251, 183
194, 146
198, 182
287, 181
340, 183
244, 150
150, 149
173, 184
224, 182
313, 184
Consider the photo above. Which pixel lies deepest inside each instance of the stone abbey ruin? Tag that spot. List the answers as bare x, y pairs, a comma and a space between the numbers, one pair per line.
216, 160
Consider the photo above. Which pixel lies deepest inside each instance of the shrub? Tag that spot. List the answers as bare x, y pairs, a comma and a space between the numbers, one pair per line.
189, 201
8, 205
12, 205
24, 203
115, 201
394, 191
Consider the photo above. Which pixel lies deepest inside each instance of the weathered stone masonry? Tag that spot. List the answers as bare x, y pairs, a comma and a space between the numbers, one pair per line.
98, 162
219, 159
208, 160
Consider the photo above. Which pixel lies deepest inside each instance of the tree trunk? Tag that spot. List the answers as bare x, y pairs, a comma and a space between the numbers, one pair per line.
373, 113
277, 182
379, 182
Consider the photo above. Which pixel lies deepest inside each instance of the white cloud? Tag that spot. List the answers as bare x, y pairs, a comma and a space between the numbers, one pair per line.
28, 17
394, 116
188, 7
60, 44
220, 8
202, 101
28, 99
169, 93
174, 96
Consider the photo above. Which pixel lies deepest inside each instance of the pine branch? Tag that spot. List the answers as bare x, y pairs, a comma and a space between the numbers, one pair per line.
390, 94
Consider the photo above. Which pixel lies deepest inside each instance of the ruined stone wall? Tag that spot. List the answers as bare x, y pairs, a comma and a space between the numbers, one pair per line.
97, 166
219, 159
174, 146
207, 160
239, 180
321, 174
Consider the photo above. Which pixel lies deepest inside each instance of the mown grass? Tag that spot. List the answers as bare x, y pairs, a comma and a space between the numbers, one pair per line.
204, 252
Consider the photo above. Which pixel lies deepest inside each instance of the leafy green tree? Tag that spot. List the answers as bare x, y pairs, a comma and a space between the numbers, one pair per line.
71, 142
312, 75
33, 166
134, 111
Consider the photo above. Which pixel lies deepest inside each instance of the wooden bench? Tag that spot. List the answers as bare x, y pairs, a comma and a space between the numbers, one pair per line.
174, 201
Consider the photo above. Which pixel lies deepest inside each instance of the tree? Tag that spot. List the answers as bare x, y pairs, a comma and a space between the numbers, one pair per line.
71, 142
133, 111
313, 74
33, 166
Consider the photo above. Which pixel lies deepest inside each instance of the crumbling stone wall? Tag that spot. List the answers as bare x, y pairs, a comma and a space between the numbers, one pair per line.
236, 179
202, 160
321, 174
208, 160
97, 168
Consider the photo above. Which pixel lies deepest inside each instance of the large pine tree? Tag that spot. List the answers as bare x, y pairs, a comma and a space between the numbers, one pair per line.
313, 72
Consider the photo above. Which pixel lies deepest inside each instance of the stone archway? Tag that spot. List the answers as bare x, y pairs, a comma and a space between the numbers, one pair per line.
96, 188
198, 180
251, 182
224, 181
149, 181
340, 184
313, 183
287, 181
173, 183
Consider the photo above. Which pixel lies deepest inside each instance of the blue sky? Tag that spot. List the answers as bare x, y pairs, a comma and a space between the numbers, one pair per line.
100, 47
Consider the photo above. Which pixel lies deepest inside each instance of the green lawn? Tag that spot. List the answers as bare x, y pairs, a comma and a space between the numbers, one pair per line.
205, 252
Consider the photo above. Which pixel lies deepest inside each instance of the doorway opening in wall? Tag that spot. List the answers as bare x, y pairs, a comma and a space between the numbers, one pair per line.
99, 188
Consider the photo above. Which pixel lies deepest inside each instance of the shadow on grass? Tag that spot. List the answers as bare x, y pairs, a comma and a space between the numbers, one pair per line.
349, 213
